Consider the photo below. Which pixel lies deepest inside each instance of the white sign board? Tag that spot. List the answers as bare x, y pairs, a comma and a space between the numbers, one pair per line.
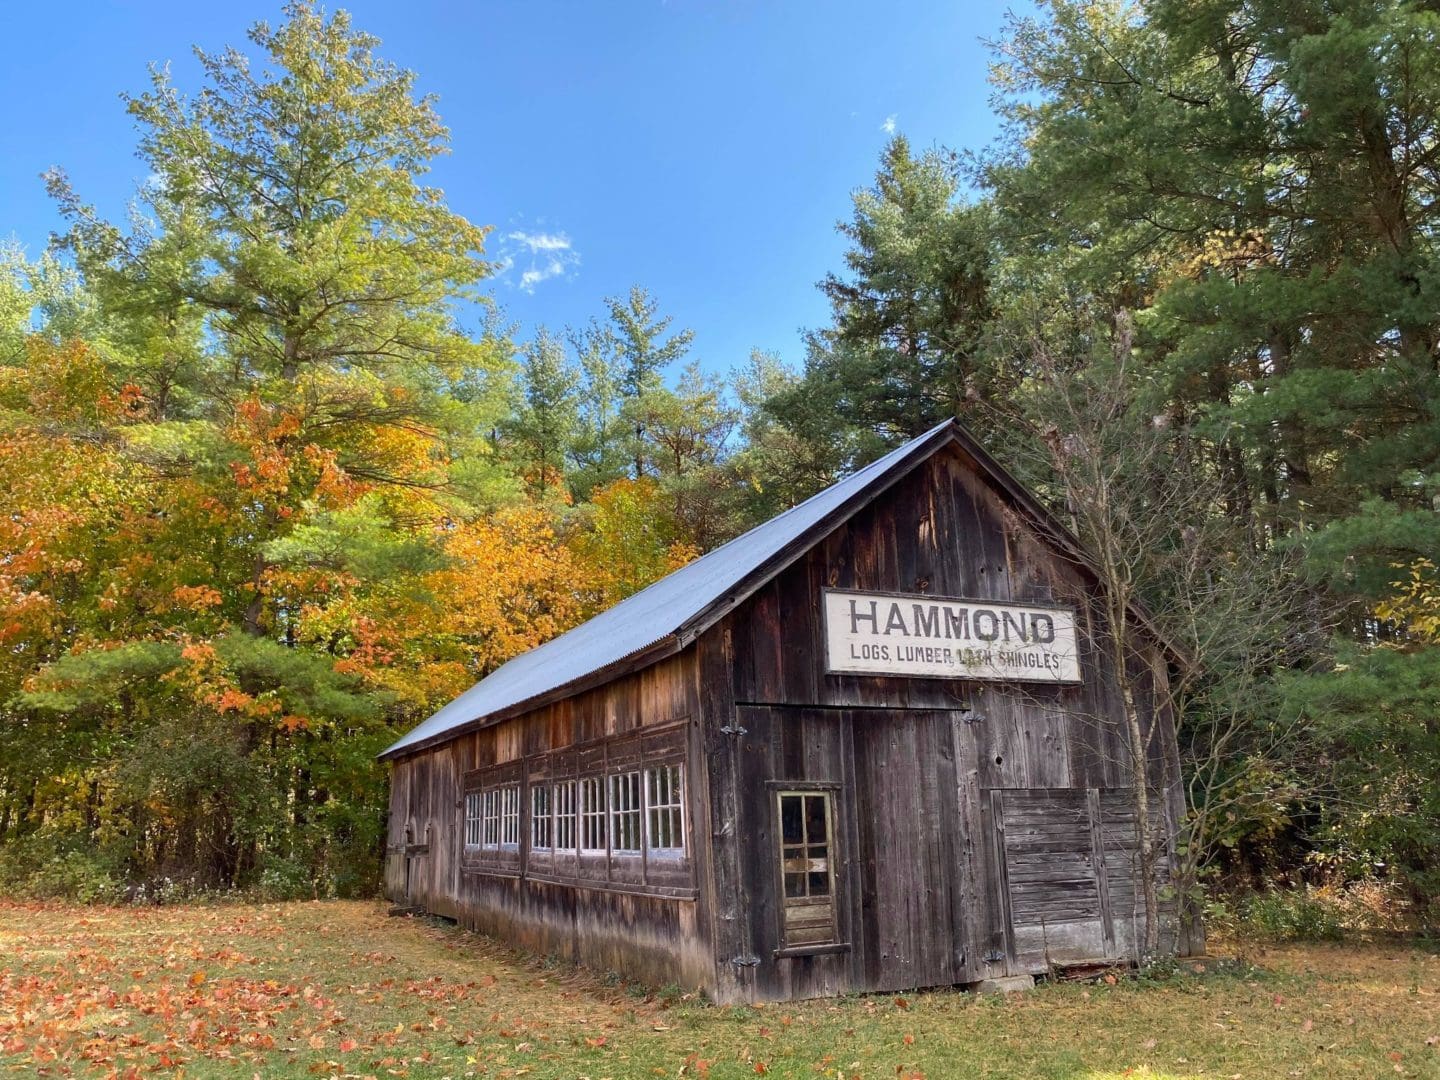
926, 636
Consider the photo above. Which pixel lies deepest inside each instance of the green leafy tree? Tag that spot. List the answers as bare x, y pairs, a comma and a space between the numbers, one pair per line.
774, 465
281, 383
636, 333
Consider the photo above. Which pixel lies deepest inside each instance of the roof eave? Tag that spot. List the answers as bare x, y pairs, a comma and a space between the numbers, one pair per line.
667, 646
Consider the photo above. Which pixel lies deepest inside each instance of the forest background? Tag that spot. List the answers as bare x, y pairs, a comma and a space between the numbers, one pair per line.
273, 491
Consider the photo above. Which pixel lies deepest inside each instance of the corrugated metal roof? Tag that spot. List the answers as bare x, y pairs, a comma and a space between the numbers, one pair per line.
666, 608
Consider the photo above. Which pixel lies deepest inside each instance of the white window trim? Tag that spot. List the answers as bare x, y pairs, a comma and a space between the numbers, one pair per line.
542, 819
590, 786
675, 808
473, 820
625, 786
500, 818
565, 798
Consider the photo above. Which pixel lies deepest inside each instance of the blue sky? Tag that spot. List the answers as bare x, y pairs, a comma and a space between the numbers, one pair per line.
702, 149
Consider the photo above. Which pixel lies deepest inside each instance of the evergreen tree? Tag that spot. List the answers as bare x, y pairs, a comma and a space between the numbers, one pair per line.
600, 446
543, 426
642, 352
1256, 181
905, 348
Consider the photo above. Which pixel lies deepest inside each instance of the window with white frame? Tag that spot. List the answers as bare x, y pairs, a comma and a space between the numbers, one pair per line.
665, 810
500, 813
490, 820
625, 813
592, 814
472, 819
510, 816
542, 825
564, 795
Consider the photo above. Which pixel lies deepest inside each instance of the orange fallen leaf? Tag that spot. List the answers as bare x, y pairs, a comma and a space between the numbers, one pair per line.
197, 978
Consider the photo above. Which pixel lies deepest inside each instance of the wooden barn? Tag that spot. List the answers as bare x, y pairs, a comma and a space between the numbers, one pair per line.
873, 744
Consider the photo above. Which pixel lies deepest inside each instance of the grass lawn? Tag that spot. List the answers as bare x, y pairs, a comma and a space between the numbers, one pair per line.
339, 989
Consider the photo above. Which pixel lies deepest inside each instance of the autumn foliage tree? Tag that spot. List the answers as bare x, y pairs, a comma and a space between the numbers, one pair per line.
238, 551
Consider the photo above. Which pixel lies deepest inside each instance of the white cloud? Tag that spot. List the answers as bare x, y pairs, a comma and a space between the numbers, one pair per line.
537, 255
888, 127
540, 241
534, 276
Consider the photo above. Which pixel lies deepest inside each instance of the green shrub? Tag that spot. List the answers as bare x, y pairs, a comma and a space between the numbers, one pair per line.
1290, 914
40, 867
284, 879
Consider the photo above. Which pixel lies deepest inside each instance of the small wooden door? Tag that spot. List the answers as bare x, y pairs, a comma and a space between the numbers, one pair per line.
417, 865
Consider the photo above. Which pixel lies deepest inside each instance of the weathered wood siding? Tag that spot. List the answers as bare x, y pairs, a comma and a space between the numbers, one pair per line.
587, 914
983, 826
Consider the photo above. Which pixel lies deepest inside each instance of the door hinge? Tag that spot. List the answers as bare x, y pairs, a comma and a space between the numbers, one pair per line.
732, 729
994, 956
745, 961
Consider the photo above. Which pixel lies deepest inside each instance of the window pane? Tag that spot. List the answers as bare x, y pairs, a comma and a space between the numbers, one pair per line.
664, 793
816, 826
592, 814
791, 820
565, 816
540, 819
625, 812
808, 911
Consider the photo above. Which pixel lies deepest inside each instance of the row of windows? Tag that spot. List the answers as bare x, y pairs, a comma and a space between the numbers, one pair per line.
624, 813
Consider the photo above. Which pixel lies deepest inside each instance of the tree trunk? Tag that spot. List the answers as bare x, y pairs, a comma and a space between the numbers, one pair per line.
1145, 838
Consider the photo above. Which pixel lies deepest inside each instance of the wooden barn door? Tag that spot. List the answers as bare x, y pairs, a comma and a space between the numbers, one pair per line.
1067, 863
910, 876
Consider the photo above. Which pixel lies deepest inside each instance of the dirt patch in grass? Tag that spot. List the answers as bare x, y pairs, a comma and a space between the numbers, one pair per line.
339, 989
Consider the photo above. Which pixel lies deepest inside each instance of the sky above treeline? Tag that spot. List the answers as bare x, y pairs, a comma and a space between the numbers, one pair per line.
704, 150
